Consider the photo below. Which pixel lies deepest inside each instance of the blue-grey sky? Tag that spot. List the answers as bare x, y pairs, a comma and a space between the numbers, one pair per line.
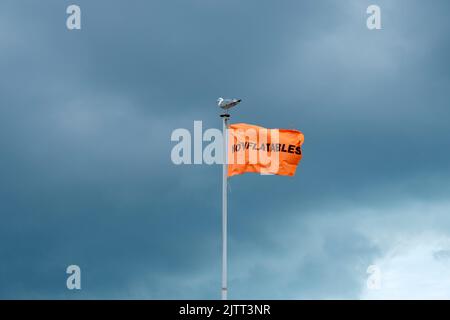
86, 176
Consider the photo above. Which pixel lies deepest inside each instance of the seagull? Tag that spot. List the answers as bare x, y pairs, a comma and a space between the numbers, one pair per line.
226, 104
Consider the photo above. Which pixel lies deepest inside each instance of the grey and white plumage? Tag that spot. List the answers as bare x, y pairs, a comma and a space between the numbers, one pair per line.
226, 104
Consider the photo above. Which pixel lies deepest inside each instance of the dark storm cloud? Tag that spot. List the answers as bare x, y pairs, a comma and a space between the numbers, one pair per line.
86, 118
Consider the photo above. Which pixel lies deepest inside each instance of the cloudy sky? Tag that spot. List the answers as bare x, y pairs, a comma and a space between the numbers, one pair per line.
86, 176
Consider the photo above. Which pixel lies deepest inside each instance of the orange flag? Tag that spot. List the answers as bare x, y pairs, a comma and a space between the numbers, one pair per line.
266, 151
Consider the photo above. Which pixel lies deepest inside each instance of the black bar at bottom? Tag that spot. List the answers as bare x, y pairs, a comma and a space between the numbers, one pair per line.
232, 309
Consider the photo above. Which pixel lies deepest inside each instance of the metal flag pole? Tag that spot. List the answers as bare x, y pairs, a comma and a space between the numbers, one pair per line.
225, 104
225, 118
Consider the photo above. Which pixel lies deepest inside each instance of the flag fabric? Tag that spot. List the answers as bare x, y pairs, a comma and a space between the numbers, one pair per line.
266, 151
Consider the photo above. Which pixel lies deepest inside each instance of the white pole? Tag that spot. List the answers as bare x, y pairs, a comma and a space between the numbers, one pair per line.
224, 208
